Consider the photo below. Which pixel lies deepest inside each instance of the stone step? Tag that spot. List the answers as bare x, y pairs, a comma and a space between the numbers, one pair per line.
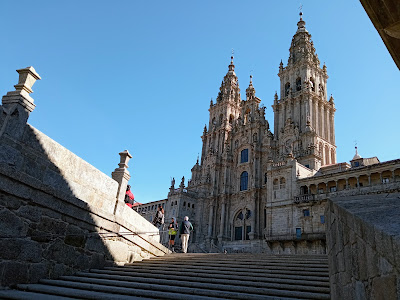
219, 257
200, 282
173, 292
21, 295
243, 256
192, 277
44, 290
243, 264
204, 276
232, 268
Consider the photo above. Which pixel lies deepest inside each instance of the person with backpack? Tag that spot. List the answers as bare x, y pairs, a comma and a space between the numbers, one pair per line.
158, 220
172, 230
184, 233
129, 198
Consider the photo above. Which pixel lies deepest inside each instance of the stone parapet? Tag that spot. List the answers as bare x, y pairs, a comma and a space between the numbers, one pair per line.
363, 244
57, 212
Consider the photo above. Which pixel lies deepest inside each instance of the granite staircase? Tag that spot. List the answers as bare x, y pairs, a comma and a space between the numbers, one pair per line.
192, 276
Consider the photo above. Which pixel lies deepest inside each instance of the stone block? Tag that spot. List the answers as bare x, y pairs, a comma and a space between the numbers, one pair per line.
20, 249
14, 272
10, 156
359, 291
368, 234
118, 250
32, 168
61, 253
57, 270
384, 246
355, 273
384, 287
396, 251
11, 225
372, 262
385, 268
9, 201
94, 243
75, 236
97, 260
362, 259
53, 226
38, 271
32, 213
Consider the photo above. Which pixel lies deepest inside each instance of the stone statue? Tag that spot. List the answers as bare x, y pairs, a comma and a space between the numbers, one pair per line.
173, 182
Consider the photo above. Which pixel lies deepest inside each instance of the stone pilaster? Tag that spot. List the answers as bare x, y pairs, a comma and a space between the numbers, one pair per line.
122, 176
222, 224
17, 105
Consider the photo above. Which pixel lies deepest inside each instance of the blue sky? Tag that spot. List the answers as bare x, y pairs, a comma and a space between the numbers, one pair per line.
139, 75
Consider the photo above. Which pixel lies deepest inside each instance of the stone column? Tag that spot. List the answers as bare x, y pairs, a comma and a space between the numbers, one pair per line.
316, 115
222, 224
122, 176
328, 129
322, 113
17, 105
332, 127
210, 221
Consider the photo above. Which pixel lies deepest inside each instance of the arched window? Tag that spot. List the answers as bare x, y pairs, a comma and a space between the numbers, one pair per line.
287, 88
326, 155
312, 83
244, 156
321, 89
276, 184
184, 203
298, 84
241, 225
244, 179
221, 117
282, 183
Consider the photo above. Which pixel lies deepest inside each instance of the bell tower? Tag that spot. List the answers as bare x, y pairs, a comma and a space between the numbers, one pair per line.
222, 113
303, 116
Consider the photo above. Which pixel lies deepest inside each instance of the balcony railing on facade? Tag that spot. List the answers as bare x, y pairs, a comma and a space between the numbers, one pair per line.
348, 191
293, 237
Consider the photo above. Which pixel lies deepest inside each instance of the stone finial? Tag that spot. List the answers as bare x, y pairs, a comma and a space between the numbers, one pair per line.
125, 157
122, 176
27, 78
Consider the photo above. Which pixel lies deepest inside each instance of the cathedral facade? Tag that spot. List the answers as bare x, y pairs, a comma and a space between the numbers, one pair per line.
244, 184
255, 190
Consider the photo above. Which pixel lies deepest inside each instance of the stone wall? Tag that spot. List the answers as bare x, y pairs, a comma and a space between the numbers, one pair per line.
59, 214
363, 244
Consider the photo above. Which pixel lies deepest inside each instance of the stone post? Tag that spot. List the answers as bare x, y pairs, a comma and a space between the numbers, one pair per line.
122, 176
17, 105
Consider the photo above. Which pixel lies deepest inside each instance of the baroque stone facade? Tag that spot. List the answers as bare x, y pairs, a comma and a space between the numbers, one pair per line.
255, 190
